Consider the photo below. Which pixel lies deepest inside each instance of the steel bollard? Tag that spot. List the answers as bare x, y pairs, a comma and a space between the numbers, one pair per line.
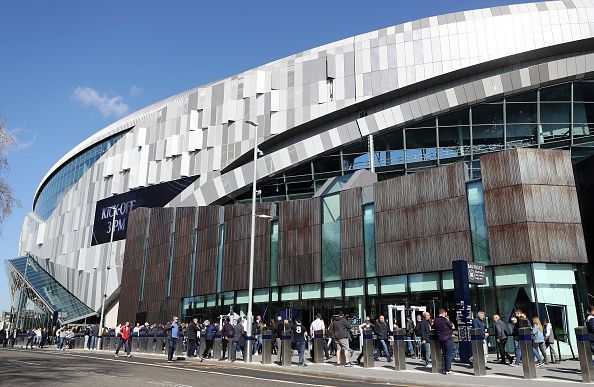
202, 343
478, 355
399, 350
436, 355
135, 343
179, 348
525, 339
585, 354
368, 348
159, 344
142, 343
286, 350
267, 347
217, 346
104, 342
318, 347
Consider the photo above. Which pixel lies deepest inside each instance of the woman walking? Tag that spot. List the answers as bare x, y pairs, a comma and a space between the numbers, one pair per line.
538, 340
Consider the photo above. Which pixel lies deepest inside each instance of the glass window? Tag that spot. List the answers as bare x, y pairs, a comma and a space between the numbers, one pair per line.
487, 134
522, 134
389, 141
478, 222
228, 298
553, 132
242, 297
393, 284
556, 93
521, 113
369, 239
529, 96
354, 288
220, 257
487, 114
447, 280
372, 286
261, 295
311, 291
289, 293
421, 144
583, 91
274, 254
583, 112
457, 118
423, 282
211, 300
333, 290
327, 164
331, 237
555, 113
274, 295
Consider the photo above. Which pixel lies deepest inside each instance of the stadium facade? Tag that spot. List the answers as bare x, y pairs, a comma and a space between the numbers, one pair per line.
387, 155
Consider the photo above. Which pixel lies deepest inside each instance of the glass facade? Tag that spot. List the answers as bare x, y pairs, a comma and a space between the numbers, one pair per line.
274, 254
56, 186
369, 239
331, 237
37, 295
536, 118
478, 222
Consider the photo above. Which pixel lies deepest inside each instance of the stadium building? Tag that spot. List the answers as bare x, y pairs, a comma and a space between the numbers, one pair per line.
386, 156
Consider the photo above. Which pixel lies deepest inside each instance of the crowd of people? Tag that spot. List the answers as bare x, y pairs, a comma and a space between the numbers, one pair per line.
338, 337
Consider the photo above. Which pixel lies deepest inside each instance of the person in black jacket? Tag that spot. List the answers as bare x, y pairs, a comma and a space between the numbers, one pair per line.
383, 333
238, 340
192, 334
423, 331
278, 333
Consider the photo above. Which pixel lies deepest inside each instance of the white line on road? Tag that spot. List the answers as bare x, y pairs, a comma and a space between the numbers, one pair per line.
195, 370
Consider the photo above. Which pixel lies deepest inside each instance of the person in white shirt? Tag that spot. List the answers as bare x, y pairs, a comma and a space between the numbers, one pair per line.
318, 325
550, 340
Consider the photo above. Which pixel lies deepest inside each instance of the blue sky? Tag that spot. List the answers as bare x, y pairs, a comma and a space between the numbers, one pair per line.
69, 68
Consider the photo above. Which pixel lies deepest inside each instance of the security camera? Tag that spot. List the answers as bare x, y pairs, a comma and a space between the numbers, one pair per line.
258, 192
260, 153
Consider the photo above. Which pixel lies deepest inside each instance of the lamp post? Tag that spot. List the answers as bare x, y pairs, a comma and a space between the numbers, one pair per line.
107, 267
248, 346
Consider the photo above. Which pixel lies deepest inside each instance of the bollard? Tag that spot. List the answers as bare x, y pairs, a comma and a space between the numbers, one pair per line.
318, 347
399, 350
436, 355
217, 346
143, 342
179, 347
135, 343
202, 343
113, 341
104, 344
585, 354
478, 355
525, 339
368, 348
286, 351
267, 347
159, 343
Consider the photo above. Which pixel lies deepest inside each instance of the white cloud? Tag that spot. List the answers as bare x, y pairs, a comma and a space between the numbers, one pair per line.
135, 90
23, 138
107, 105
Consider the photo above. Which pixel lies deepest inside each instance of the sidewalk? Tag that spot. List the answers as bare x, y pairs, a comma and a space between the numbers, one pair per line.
501, 375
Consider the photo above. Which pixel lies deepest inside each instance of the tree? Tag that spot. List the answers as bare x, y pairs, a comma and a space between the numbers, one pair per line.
8, 202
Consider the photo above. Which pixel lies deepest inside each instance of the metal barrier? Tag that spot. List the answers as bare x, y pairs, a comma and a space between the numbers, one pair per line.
286, 350
525, 340
267, 347
160, 343
478, 355
585, 354
436, 354
179, 347
135, 343
368, 348
217, 346
399, 350
143, 342
318, 347
202, 343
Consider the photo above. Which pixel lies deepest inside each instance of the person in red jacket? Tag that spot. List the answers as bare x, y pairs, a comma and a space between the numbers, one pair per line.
125, 332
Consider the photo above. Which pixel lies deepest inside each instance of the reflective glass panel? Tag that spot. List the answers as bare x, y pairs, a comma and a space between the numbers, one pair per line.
478, 222
331, 237
369, 239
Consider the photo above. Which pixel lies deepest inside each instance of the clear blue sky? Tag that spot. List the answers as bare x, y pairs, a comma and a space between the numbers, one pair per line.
69, 68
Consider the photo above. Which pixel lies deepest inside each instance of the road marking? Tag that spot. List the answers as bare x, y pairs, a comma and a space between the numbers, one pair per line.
200, 371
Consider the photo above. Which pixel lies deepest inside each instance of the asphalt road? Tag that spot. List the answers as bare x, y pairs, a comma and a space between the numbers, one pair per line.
53, 368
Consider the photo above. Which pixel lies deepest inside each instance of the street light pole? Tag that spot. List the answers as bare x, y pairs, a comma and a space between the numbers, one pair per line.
107, 267
249, 343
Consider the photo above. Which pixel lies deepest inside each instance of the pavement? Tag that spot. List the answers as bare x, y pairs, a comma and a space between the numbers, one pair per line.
143, 369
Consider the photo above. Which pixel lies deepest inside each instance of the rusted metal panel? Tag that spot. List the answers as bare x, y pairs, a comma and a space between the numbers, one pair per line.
531, 207
422, 221
208, 249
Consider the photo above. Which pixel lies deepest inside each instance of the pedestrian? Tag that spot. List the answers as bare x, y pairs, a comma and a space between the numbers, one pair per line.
192, 336
278, 334
501, 332
383, 333
341, 330
44, 337
62, 341
125, 338
30, 336
538, 341
94, 336
479, 323
550, 340
409, 328
227, 337
118, 335
209, 336
366, 326
590, 326
172, 330
423, 332
318, 326
257, 333
300, 340
238, 340
443, 330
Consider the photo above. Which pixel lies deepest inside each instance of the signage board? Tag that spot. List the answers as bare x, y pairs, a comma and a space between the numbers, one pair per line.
476, 273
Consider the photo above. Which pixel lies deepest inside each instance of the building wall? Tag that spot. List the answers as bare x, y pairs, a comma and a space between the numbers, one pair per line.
584, 178
532, 207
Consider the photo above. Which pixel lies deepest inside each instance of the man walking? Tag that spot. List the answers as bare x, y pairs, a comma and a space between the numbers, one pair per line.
238, 340
209, 335
124, 340
590, 326
501, 336
172, 331
318, 325
443, 329
341, 329
192, 336
479, 323
300, 340
423, 332
227, 337
382, 333
410, 335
